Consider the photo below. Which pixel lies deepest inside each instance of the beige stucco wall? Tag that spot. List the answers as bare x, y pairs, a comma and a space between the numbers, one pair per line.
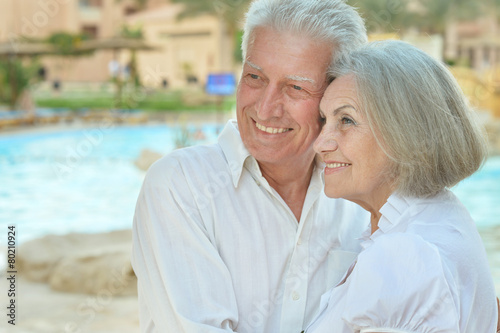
40, 18
196, 46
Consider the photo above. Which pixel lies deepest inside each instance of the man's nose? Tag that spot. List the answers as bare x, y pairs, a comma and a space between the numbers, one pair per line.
270, 104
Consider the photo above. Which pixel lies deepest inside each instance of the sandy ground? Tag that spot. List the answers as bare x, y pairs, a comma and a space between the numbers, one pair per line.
42, 310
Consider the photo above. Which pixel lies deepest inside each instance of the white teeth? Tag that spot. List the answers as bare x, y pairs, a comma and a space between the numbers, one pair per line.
336, 165
271, 130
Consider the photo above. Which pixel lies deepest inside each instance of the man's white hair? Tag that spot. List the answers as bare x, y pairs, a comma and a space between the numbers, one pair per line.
329, 21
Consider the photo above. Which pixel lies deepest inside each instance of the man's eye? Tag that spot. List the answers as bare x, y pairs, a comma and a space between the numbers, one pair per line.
254, 76
297, 87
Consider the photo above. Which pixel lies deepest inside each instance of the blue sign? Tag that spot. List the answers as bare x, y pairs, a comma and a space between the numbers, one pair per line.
221, 84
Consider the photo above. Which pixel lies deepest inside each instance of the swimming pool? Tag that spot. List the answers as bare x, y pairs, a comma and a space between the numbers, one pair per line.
79, 180
85, 180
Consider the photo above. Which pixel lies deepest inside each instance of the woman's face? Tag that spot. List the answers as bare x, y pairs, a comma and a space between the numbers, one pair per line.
356, 166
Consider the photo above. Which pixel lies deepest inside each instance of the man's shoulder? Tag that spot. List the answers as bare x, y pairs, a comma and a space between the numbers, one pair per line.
198, 159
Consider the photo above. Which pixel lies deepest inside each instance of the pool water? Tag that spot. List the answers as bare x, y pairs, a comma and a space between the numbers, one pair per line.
480, 193
86, 181
80, 180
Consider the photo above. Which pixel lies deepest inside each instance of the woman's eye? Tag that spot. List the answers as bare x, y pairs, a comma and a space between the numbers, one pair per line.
347, 121
322, 120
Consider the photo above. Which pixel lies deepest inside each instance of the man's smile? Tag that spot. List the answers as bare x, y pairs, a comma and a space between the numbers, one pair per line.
271, 130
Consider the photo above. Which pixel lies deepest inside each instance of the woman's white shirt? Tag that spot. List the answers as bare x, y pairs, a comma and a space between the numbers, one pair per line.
424, 270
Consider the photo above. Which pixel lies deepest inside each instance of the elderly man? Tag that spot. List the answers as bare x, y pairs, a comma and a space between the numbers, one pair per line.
238, 236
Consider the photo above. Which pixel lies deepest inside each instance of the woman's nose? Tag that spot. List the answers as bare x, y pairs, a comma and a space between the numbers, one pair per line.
326, 141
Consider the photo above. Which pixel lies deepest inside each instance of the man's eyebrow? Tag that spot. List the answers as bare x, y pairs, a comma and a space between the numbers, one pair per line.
289, 77
300, 78
251, 64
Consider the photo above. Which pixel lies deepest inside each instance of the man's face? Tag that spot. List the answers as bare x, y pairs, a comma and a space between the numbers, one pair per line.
278, 96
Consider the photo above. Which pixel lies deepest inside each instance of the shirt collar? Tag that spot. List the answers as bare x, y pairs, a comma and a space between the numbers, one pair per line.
234, 150
238, 156
391, 211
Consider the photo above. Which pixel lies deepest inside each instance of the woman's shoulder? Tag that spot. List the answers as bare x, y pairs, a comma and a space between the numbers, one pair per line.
441, 221
443, 208
400, 282
400, 251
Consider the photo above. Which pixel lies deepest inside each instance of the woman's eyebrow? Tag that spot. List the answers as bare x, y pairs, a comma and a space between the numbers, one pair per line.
342, 107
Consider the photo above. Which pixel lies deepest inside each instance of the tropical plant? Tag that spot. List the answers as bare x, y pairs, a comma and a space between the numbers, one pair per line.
430, 16
384, 16
15, 77
67, 44
435, 15
133, 33
229, 12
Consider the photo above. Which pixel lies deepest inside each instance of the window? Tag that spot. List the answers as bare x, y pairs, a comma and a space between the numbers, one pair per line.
130, 10
90, 30
90, 3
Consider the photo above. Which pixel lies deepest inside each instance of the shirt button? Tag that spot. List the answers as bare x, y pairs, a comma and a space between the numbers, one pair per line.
299, 242
295, 296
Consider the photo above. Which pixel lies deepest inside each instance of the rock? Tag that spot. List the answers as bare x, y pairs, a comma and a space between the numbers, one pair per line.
78, 262
106, 274
146, 159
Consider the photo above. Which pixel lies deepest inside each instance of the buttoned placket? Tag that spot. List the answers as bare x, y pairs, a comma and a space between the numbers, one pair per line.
297, 278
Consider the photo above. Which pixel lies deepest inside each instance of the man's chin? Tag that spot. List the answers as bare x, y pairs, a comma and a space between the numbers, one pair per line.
266, 154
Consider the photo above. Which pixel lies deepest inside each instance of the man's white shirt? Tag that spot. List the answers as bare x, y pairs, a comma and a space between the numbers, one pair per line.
216, 249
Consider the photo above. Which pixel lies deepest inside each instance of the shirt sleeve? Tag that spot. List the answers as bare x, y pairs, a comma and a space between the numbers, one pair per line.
184, 285
399, 285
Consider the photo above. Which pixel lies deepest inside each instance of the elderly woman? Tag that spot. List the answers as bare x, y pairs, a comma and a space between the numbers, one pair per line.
397, 135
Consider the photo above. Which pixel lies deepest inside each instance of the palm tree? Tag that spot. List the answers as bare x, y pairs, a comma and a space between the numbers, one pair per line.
229, 12
436, 14
385, 16
430, 16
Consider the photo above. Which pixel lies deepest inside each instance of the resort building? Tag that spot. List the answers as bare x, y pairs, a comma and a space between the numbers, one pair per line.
186, 51
475, 44
38, 19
